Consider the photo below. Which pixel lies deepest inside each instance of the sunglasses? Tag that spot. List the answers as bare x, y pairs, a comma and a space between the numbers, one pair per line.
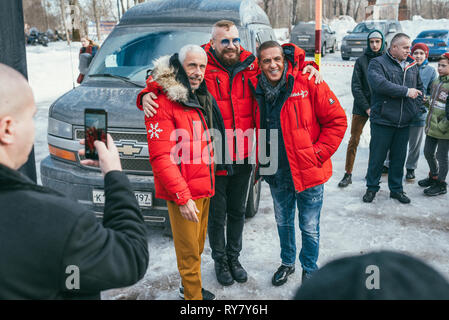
227, 42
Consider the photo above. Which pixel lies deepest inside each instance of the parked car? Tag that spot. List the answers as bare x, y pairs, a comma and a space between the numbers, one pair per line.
354, 44
116, 75
303, 35
436, 40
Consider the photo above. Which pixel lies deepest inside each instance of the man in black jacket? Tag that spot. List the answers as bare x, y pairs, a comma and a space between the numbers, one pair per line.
362, 99
50, 246
396, 97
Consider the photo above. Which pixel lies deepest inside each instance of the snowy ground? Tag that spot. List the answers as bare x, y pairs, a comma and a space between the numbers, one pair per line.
348, 226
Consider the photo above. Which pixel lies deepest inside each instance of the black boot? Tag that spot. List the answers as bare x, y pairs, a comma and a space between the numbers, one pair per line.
207, 295
410, 175
224, 276
439, 187
281, 275
427, 182
306, 275
238, 273
384, 170
400, 196
347, 179
369, 196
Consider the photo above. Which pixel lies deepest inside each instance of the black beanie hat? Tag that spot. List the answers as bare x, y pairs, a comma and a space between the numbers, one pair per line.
400, 277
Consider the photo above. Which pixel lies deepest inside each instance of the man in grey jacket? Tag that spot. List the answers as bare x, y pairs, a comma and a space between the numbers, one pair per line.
50, 246
397, 95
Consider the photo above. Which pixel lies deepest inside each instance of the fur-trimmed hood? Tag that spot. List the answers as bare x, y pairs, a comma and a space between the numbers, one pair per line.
165, 75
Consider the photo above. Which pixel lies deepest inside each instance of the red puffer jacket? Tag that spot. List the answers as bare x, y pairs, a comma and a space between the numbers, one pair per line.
234, 99
312, 120
183, 167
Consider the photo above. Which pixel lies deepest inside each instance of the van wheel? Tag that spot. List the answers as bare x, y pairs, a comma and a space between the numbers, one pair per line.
323, 50
252, 205
345, 58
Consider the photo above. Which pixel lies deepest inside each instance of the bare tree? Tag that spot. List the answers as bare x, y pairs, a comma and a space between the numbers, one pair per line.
74, 14
64, 23
97, 19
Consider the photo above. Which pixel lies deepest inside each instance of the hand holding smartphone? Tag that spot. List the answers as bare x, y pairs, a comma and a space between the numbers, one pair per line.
103, 154
95, 128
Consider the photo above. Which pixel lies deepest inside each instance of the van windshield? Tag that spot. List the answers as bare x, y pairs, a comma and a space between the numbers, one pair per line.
130, 54
366, 27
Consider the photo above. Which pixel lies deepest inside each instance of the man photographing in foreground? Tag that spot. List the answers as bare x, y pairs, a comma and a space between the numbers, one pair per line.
52, 247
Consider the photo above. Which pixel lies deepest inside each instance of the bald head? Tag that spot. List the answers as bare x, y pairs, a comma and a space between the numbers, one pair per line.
16, 118
15, 92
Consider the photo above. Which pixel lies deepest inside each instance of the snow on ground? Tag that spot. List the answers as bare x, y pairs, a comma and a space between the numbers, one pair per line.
348, 226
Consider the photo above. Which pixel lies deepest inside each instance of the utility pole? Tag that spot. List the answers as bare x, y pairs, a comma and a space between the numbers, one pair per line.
318, 27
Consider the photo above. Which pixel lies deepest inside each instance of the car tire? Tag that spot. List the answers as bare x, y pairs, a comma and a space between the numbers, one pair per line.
323, 50
345, 58
252, 205
334, 47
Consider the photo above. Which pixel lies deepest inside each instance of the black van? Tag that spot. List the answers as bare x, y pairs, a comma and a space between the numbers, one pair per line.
116, 75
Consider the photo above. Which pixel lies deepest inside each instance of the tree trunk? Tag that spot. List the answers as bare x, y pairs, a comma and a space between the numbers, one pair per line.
97, 19
340, 4
348, 7
356, 13
75, 16
123, 7
64, 22
294, 16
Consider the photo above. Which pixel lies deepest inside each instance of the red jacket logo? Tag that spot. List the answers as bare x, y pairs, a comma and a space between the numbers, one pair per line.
303, 94
154, 130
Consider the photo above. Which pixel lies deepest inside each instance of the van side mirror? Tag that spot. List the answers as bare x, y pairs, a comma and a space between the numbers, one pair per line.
349, 31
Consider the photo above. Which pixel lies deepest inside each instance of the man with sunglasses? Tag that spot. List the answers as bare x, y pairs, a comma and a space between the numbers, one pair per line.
228, 69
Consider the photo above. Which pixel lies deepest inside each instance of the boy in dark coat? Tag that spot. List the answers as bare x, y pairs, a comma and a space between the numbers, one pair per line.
362, 99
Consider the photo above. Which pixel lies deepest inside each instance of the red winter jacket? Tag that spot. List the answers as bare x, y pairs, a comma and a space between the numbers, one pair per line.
193, 177
312, 120
234, 99
236, 104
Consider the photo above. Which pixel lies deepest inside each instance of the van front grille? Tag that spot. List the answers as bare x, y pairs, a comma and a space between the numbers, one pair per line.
117, 136
132, 165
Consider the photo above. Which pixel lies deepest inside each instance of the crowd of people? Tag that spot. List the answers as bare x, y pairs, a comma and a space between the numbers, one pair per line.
214, 99
403, 97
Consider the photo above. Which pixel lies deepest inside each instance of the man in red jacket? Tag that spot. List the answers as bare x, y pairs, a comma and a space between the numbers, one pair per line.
228, 69
181, 156
308, 125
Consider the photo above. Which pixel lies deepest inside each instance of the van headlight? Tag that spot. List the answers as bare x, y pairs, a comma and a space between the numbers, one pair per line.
344, 43
59, 128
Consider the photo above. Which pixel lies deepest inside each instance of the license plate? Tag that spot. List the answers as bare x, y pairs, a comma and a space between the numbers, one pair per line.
143, 198
357, 49
429, 44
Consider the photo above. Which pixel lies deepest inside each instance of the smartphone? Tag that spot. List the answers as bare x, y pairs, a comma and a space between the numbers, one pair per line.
95, 128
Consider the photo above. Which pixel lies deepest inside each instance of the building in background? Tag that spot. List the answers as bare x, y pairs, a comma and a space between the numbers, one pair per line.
105, 29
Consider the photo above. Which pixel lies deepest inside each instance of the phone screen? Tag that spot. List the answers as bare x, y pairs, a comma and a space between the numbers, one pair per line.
95, 126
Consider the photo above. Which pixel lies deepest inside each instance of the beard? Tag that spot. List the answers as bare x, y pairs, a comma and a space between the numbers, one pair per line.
228, 61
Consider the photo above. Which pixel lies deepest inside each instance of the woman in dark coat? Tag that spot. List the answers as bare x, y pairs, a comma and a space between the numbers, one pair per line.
88, 46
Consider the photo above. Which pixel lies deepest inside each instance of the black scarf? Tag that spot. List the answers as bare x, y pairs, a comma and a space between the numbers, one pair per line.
272, 92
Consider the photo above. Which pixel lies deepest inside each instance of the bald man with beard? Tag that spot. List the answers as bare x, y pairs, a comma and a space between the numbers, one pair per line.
50, 246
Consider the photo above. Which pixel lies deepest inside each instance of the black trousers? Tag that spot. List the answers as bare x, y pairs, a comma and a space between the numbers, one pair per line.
227, 209
384, 138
